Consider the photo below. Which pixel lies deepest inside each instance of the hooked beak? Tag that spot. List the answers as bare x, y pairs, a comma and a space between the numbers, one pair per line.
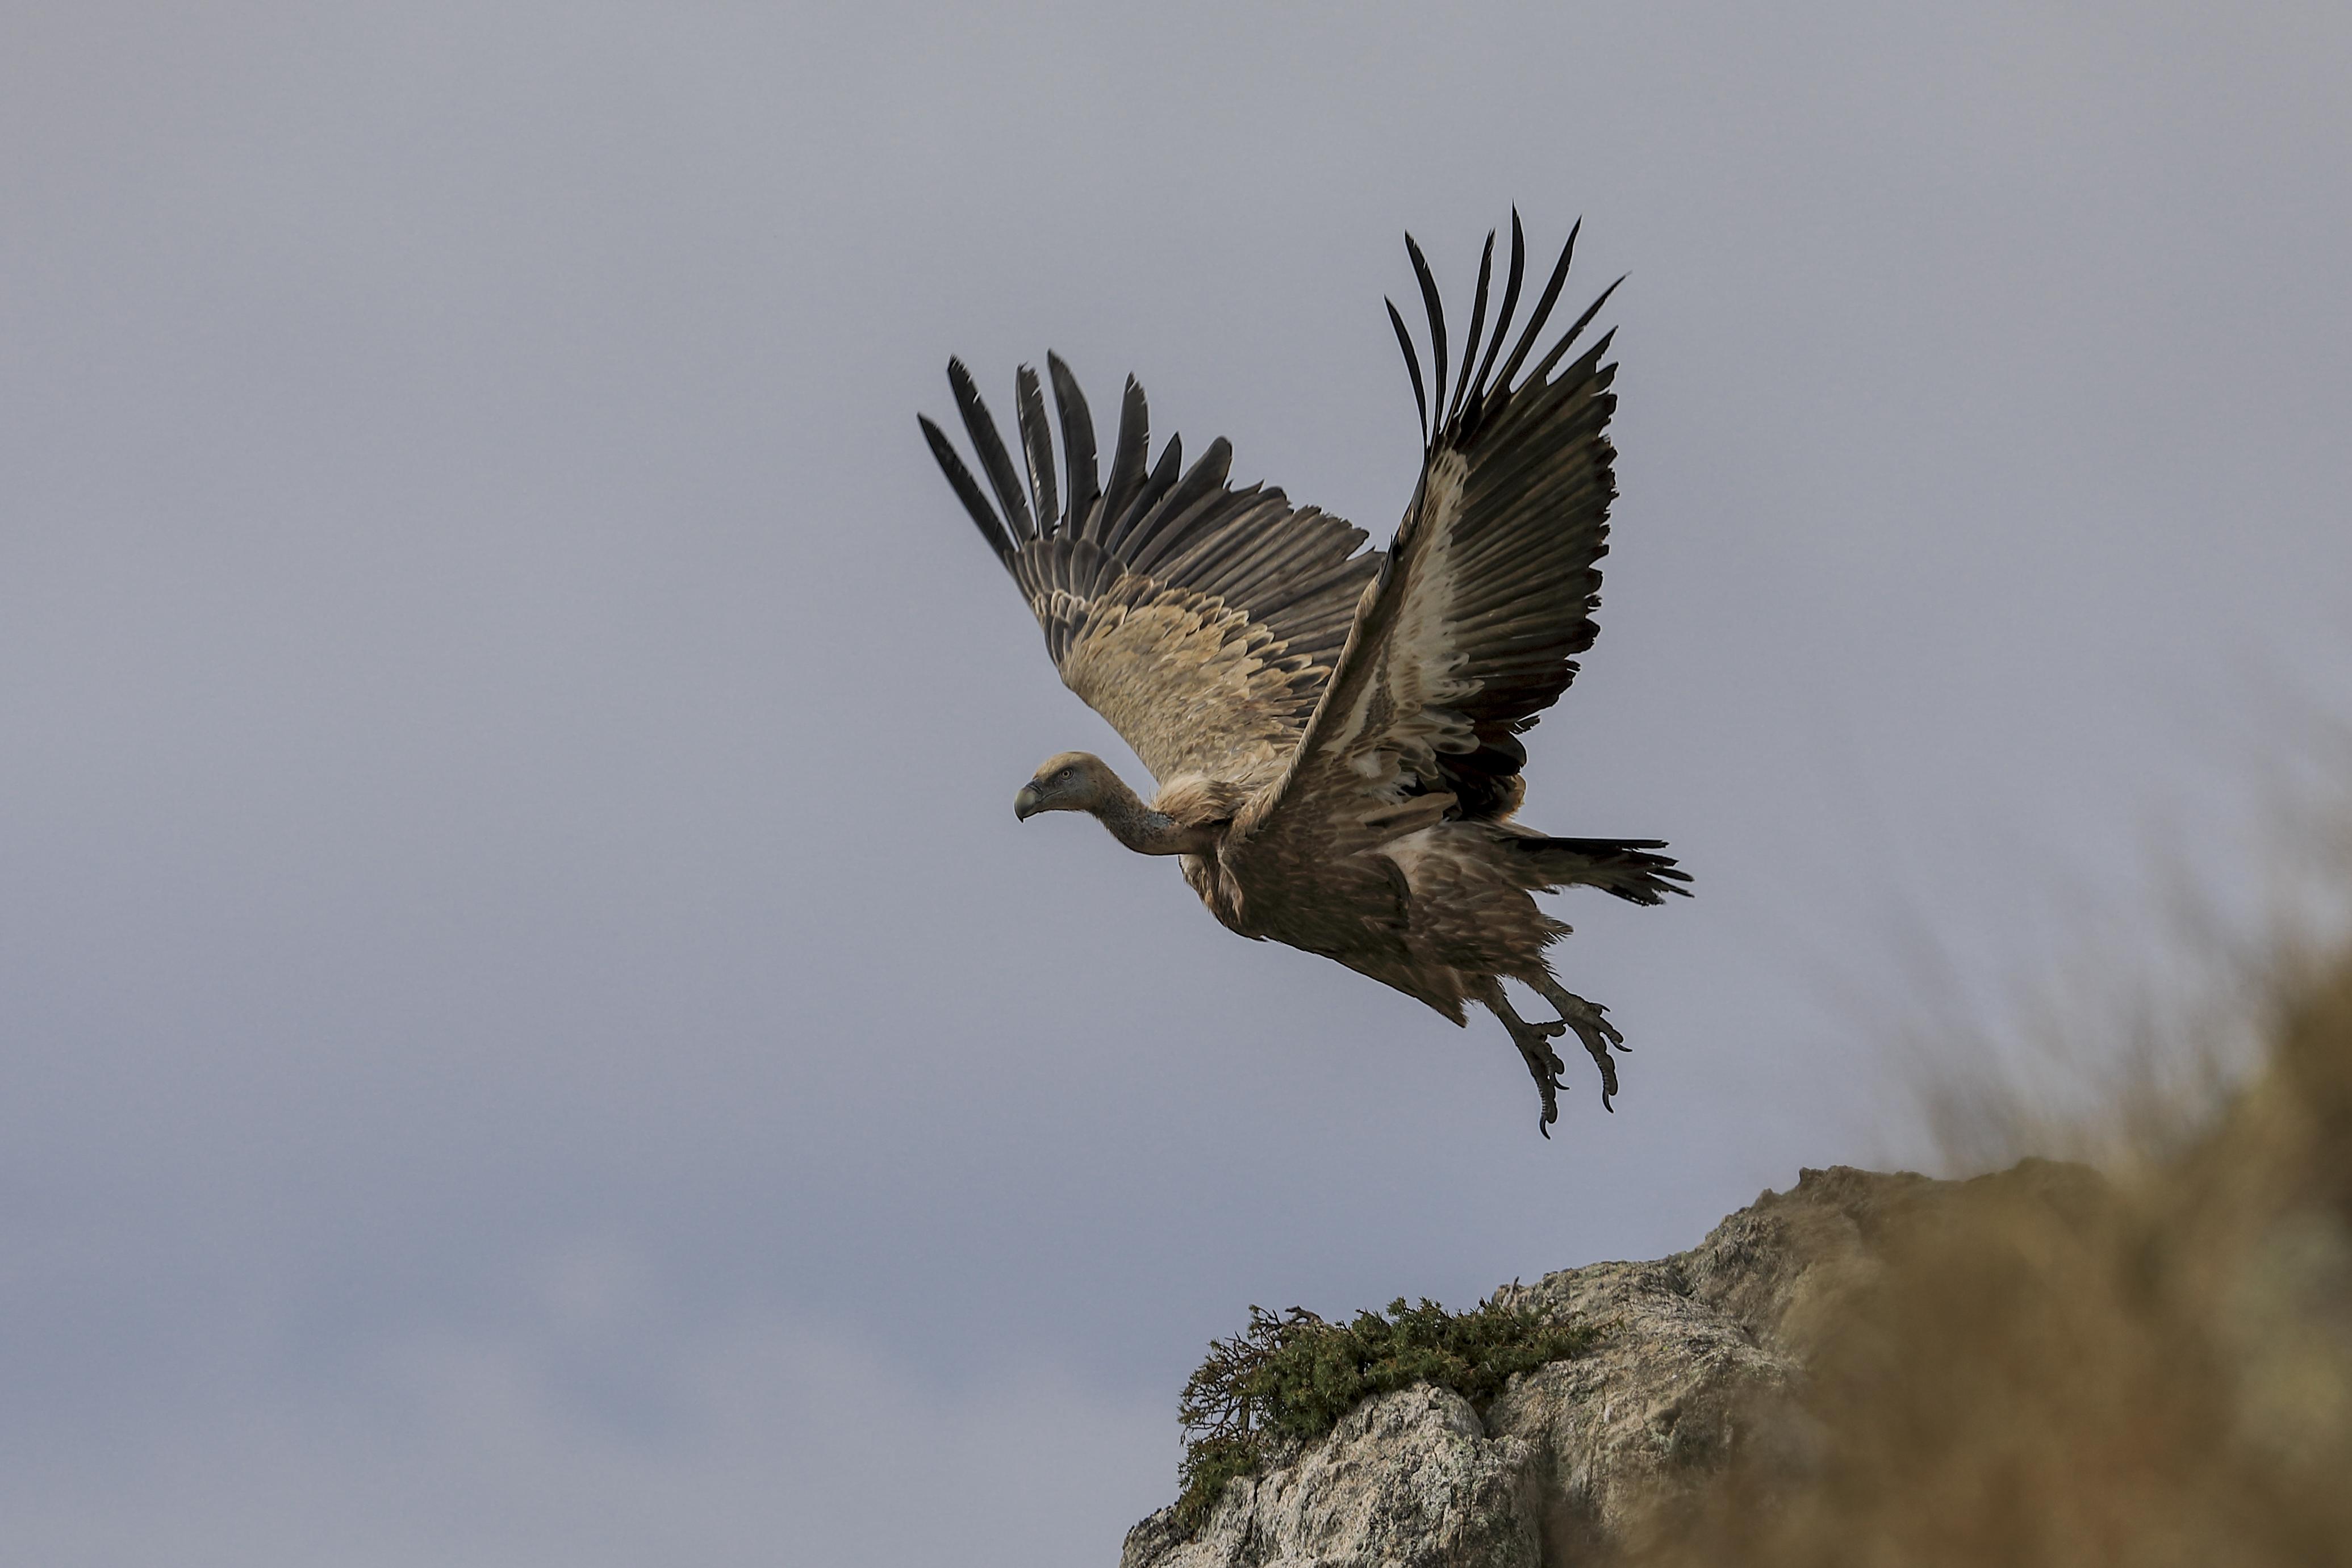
1027, 803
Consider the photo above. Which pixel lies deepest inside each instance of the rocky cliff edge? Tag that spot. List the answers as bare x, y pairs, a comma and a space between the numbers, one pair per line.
1697, 1358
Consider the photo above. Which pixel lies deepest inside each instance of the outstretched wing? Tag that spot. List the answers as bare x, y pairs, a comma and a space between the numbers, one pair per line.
1202, 621
1486, 596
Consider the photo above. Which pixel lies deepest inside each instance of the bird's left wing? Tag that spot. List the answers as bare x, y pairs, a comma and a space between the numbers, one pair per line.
1202, 621
1485, 600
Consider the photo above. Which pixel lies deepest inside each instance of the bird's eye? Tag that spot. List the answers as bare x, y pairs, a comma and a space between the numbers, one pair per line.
1066, 775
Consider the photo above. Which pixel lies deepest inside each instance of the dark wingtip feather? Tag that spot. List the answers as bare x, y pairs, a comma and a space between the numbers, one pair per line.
1477, 326
1164, 475
1083, 487
991, 447
1580, 324
1209, 469
1436, 310
1037, 446
1543, 309
1170, 503
1503, 318
967, 489
1127, 472
1411, 367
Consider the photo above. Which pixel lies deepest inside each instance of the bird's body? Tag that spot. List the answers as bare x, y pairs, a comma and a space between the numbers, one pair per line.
1334, 731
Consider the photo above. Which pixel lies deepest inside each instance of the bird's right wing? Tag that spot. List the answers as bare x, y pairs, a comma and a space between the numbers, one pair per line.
1482, 606
1202, 621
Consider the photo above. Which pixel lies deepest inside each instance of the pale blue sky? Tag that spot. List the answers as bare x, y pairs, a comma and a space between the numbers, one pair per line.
528, 1029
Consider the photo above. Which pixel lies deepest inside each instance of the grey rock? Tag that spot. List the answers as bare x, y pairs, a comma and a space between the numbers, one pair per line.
1700, 1355
1412, 1480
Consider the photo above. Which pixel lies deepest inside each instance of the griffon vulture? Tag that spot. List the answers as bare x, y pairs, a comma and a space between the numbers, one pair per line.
1335, 733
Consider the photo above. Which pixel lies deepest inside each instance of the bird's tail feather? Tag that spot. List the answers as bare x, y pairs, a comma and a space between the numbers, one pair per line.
1625, 867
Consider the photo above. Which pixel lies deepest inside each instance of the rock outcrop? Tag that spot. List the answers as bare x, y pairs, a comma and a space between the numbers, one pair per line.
1697, 1360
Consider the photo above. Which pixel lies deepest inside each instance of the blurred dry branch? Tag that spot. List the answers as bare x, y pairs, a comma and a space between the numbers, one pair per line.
2127, 1024
2160, 1373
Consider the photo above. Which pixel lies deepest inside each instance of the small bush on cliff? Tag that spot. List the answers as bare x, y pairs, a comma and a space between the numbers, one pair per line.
1291, 1377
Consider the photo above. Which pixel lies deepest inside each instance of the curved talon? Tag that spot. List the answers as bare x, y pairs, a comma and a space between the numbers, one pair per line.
1599, 1036
1607, 1082
1546, 1065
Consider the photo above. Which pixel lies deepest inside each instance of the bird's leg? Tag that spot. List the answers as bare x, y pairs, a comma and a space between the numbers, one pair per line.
1533, 1040
1595, 1031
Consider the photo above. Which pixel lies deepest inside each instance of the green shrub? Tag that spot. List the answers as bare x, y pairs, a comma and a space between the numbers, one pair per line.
1290, 1377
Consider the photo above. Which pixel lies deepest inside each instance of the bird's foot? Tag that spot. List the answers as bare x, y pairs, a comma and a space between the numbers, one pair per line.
1597, 1035
1590, 1021
1544, 1065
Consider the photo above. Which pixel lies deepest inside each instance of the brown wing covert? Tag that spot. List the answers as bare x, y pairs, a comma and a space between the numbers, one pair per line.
1202, 621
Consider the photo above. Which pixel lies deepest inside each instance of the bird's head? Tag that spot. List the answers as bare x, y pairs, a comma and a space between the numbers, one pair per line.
1074, 781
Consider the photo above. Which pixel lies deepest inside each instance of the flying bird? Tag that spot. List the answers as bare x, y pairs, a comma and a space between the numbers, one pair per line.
1334, 732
